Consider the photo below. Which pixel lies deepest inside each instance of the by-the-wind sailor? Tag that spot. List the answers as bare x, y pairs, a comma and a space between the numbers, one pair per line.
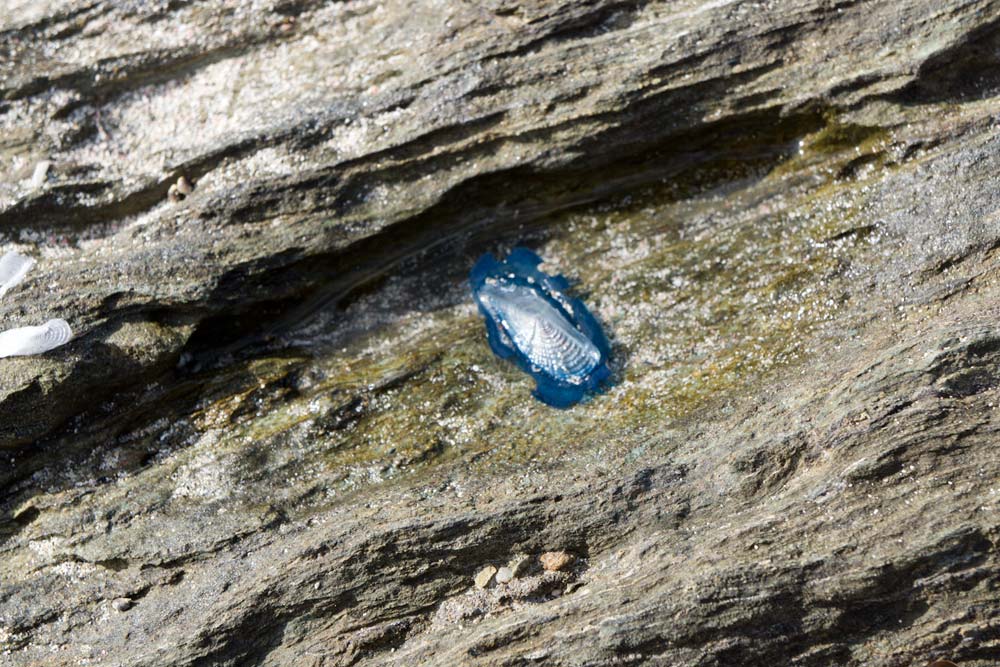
13, 267
531, 320
34, 340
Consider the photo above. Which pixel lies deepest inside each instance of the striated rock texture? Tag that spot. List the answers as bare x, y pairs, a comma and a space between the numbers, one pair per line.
279, 437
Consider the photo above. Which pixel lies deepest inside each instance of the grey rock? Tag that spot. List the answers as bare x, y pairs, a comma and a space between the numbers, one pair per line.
786, 214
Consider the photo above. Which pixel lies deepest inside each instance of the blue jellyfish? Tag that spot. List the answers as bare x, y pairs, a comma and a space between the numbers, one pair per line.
549, 335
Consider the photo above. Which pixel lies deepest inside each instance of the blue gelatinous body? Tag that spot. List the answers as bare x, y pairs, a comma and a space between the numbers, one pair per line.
531, 320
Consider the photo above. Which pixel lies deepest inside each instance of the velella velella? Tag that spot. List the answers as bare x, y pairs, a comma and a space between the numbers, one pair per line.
532, 321
13, 267
34, 340
25, 341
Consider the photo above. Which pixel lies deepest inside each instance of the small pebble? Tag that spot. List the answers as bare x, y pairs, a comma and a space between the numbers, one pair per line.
180, 190
520, 564
485, 576
553, 561
184, 186
122, 604
504, 575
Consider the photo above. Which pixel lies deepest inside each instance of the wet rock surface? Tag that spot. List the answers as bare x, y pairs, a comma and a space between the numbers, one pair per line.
279, 437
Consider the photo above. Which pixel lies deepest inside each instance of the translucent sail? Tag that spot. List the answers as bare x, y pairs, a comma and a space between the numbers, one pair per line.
541, 332
13, 267
34, 340
532, 321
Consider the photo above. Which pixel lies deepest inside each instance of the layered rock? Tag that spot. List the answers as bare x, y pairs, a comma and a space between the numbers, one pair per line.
279, 436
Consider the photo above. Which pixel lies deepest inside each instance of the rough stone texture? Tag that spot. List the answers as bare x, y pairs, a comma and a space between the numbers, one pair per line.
279, 435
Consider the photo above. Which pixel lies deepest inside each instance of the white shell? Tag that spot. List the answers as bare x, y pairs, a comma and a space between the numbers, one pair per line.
13, 267
541, 332
34, 340
41, 173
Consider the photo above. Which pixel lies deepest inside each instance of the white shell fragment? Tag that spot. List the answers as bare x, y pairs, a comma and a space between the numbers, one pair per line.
41, 174
34, 340
13, 267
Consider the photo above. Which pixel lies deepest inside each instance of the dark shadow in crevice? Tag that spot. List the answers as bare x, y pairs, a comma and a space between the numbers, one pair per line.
966, 71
